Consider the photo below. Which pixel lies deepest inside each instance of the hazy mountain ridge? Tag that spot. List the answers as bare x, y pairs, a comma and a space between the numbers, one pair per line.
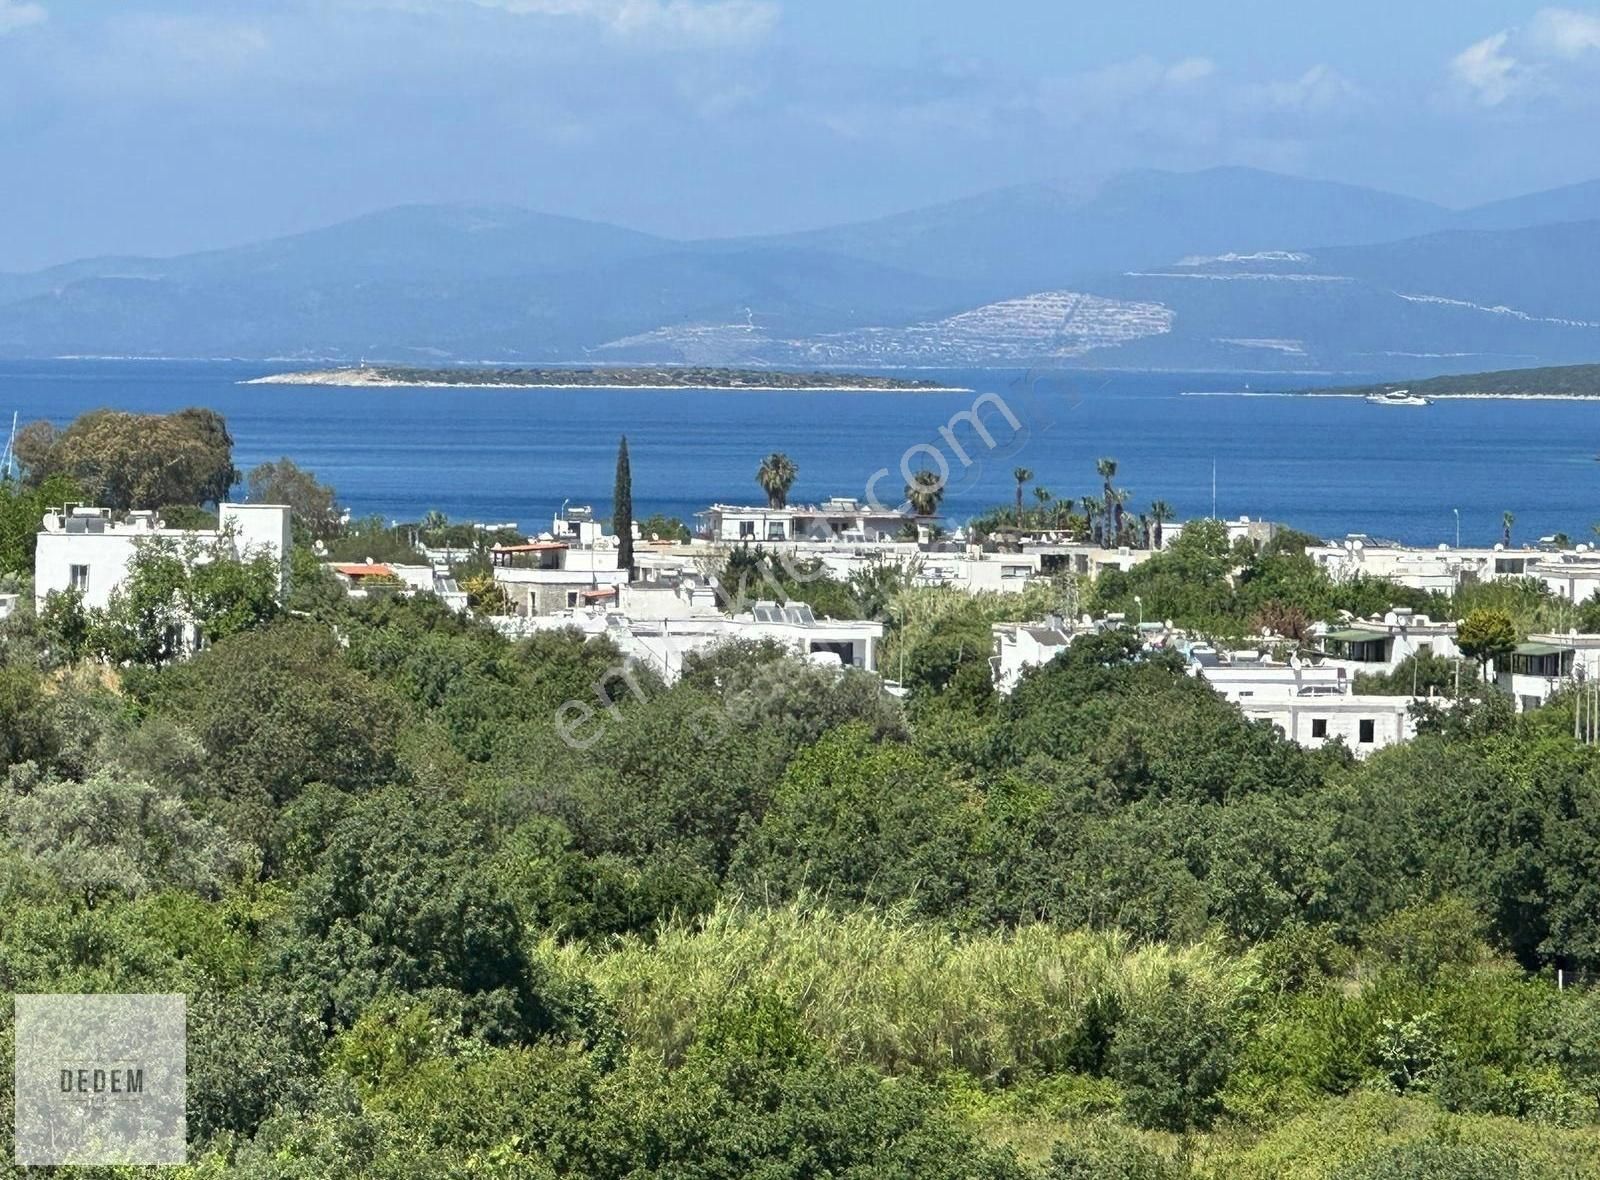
1188, 270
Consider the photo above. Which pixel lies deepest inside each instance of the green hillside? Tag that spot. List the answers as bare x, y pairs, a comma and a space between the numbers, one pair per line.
1557, 381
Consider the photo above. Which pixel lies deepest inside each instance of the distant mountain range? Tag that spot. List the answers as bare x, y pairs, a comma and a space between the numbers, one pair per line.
1227, 268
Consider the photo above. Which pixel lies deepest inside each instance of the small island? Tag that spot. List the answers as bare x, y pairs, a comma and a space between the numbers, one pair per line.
629, 377
1558, 381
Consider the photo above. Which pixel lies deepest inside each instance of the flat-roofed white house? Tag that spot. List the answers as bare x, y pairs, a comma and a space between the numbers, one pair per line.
1020, 646
544, 577
663, 643
840, 518
1574, 576
89, 550
1086, 560
1366, 723
1311, 704
976, 571
1379, 645
670, 597
1545, 663
1442, 569
372, 579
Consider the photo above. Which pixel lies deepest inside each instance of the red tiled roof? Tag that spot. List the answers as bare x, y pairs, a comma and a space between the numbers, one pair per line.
603, 592
364, 570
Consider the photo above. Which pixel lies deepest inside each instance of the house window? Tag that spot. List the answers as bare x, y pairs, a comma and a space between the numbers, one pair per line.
572, 598
1368, 731
747, 529
775, 530
1319, 727
80, 578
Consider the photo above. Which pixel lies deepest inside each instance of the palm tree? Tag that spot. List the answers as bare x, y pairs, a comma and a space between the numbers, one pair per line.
1107, 470
924, 492
776, 475
435, 521
1144, 530
1160, 512
1022, 475
1115, 499
1091, 513
1506, 521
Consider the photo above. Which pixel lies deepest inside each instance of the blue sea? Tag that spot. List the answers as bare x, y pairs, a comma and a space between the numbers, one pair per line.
1326, 465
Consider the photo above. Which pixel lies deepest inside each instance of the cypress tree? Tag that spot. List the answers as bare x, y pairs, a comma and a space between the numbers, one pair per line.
622, 508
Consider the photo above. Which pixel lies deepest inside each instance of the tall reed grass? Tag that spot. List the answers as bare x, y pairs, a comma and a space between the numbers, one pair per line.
903, 996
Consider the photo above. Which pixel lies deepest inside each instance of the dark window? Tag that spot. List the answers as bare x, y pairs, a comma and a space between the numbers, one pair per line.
1319, 727
1368, 730
747, 528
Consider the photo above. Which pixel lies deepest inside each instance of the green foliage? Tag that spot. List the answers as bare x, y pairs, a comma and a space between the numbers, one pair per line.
1172, 1053
22, 509
121, 461
107, 836
370, 538
1487, 634
27, 731
275, 711
776, 477
666, 528
622, 508
170, 588
768, 921
865, 822
314, 506
1419, 675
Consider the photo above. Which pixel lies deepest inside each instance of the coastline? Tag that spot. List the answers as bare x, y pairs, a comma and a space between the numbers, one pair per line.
311, 379
1432, 397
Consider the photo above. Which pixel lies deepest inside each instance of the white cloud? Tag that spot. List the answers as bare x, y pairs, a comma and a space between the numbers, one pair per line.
661, 24
1191, 69
1320, 90
19, 14
1486, 70
1551, 56
1563, 32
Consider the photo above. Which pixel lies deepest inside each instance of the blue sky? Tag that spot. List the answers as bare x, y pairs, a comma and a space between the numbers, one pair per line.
159, 126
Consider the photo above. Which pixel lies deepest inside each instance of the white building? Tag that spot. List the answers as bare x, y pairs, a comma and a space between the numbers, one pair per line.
1573, 575
371, 579
674, 597
544, 577
86, 550
1366, 723
662, 643
1310, 704
1544, 664
1442, 569
1374, 645
1085, 560
840, 518
577, 526
1020, 646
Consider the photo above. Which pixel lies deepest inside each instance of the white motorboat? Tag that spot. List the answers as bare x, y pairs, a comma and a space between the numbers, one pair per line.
1397, 397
